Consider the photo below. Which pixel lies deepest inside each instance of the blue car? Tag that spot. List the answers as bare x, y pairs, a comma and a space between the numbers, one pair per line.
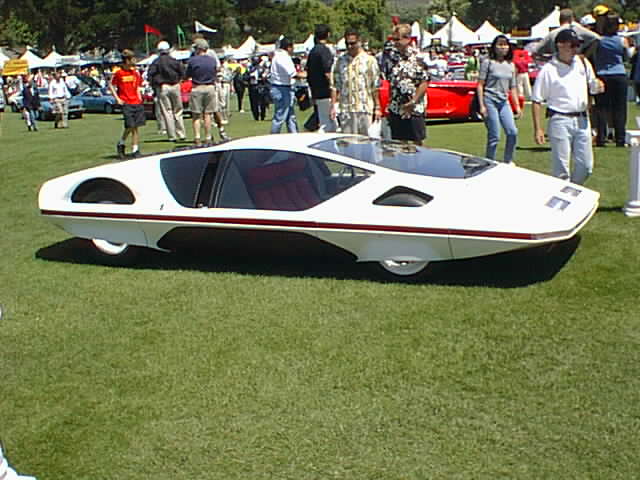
98, 100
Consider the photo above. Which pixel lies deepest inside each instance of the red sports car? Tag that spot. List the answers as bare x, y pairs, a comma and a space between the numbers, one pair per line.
448, 99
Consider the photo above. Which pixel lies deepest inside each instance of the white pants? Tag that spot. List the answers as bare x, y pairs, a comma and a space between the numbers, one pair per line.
570, 138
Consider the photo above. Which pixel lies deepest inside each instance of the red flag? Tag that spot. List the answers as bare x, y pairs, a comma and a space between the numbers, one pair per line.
395, 19
153, 31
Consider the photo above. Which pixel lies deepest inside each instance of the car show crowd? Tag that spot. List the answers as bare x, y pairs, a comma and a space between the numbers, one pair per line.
579, 72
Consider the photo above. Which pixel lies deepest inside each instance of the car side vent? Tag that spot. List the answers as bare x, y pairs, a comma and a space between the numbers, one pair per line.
403, 197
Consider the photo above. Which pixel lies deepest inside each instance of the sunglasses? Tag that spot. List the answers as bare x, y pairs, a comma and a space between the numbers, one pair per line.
351, 44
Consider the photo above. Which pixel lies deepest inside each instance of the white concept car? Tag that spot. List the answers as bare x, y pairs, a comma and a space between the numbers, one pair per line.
395, 204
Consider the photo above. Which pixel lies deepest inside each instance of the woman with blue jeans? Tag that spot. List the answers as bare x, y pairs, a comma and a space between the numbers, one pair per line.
496, 81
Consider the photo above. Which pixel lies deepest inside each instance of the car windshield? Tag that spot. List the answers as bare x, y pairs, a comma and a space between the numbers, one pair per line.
406, 157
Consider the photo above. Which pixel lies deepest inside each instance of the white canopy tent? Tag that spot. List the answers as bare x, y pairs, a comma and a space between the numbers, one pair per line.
416, 32
3, 58
426, 39
486, 32
33, 60
53, 59
247, 48
309, 43
544, 26
454, 31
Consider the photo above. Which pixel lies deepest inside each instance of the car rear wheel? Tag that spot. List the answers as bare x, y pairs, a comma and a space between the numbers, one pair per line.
108, 109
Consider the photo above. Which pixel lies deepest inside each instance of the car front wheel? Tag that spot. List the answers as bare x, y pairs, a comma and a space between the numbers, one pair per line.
108, 109
403, 270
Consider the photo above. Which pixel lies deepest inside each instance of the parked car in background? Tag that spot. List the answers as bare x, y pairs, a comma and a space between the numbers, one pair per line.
452, 99
149, 106
76, 108
98, 100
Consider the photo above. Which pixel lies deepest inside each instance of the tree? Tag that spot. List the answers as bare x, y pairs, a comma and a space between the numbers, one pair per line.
370, 17
16, 33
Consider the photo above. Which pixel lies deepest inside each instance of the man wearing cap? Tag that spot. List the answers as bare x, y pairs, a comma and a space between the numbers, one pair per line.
567, 20
203, 69
165, 74
564, 84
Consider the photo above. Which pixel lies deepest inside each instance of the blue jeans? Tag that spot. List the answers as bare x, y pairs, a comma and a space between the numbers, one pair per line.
283, 100
499, 113
30, 118
570, 137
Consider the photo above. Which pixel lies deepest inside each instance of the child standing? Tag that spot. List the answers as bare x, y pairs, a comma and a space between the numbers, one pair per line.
126, 87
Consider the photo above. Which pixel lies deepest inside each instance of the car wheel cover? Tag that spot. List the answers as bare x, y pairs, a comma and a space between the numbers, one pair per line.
402, 267
110, 248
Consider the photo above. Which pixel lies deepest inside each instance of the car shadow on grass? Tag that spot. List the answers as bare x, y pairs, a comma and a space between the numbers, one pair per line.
505, 270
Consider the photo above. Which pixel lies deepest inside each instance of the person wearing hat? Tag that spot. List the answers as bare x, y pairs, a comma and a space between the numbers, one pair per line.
609, 63
564, 83
588, 38
165, 75
203, 102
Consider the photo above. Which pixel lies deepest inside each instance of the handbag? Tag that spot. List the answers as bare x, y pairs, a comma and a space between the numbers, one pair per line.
303, 98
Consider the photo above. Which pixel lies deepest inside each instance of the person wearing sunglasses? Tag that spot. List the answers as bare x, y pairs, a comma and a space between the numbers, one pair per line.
564, 83
408, 79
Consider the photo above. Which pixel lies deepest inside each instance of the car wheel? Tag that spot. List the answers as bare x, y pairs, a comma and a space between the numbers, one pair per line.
105, 251
108, 109
403, 268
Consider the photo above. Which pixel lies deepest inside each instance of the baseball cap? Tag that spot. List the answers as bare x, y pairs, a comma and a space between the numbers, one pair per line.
201, 44
163, 46
600, 10
567, 35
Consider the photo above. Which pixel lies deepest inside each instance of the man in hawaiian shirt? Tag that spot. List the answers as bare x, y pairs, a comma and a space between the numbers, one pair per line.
356, 78
408, 79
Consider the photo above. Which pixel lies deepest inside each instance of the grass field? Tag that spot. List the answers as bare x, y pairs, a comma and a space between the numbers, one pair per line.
519, 366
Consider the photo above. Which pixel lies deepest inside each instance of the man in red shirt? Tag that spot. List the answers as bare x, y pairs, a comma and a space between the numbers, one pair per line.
126, 87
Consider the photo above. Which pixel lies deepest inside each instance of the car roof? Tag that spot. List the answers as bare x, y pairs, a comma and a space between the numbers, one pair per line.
283, 141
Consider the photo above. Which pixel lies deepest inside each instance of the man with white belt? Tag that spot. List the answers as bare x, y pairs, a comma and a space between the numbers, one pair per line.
564, 84
59, 95
283, 71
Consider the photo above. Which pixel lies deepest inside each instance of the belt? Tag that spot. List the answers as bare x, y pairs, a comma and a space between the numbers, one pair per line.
278, 85
566, 114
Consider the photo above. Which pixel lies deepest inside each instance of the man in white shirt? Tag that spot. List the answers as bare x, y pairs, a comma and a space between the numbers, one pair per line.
59, 96
283, 71
564, 84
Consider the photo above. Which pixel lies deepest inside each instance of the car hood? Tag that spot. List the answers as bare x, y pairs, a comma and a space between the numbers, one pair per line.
515, 200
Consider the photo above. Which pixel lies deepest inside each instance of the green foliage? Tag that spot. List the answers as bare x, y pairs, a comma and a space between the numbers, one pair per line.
369, 17
234, 369
16, 33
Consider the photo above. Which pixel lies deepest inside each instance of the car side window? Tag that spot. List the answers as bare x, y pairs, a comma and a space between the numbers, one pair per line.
281, 180
190, 177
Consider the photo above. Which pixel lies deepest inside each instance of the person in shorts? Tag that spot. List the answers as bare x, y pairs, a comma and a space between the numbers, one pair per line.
126, 87
202, 69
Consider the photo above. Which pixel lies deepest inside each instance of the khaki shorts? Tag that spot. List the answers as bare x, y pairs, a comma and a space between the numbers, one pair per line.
204, 99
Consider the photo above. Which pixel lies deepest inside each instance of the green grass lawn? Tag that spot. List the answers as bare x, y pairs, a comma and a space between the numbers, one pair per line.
519, 366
